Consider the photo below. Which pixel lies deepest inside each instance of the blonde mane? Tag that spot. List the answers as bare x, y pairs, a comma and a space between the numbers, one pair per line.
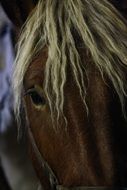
103, 32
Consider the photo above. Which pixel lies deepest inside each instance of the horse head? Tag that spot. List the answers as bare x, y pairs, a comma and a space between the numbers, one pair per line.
70, 75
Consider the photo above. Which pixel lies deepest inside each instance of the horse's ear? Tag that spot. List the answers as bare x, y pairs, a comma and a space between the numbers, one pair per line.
18, 10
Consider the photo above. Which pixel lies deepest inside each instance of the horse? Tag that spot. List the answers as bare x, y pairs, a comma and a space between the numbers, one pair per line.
70, 80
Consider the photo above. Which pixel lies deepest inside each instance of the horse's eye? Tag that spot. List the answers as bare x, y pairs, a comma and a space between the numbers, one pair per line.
36, 98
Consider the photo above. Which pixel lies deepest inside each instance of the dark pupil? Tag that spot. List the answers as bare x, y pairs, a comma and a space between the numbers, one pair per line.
37, 99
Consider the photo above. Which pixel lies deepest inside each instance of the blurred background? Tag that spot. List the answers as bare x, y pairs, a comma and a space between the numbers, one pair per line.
16, 172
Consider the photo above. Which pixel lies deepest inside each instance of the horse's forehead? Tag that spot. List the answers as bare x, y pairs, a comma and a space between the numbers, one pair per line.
35, 71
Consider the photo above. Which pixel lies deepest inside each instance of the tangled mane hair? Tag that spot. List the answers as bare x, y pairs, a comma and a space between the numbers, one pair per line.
103, 32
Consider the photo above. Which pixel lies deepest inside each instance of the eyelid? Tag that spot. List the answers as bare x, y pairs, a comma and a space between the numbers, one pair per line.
33, 89
29, 91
